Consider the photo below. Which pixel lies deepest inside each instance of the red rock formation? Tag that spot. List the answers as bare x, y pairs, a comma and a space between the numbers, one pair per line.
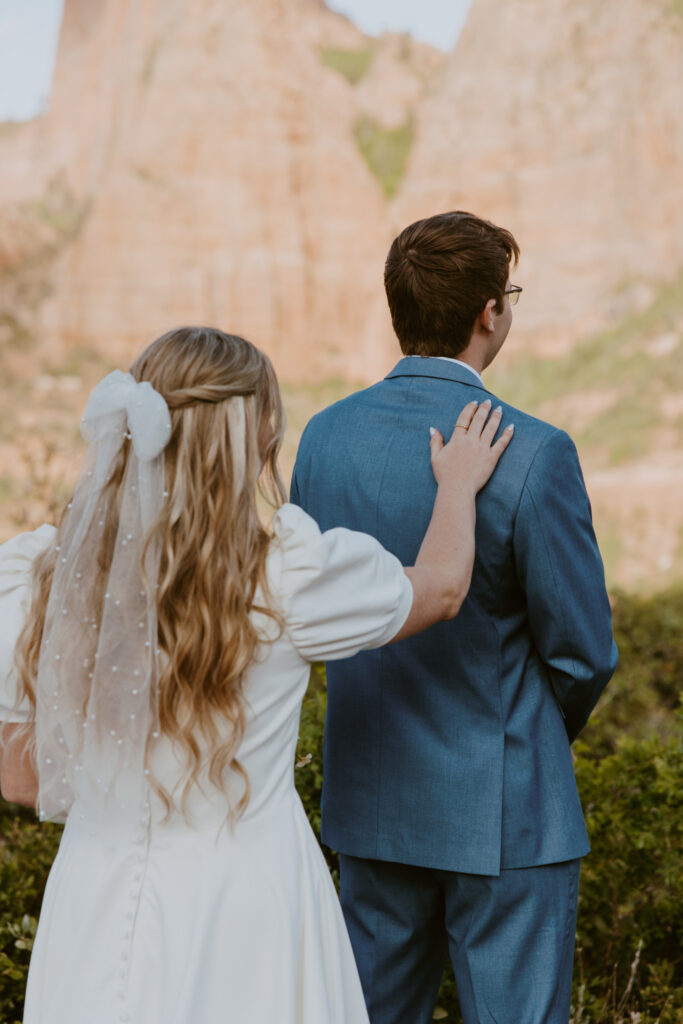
223, 181
563, 121
213, 174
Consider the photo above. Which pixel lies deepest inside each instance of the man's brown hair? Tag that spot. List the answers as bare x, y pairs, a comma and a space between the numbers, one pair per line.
439, 275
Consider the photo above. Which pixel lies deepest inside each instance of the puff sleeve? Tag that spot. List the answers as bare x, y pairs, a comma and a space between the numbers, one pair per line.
341, 591
16, 570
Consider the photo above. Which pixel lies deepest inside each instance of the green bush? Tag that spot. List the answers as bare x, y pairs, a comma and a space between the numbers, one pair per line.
642, 696
629, 768
352, 64
385, 150
27, 850
630, 929
629, 765
309, 766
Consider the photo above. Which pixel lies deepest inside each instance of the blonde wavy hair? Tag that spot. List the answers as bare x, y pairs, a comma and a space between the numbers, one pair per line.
227, 425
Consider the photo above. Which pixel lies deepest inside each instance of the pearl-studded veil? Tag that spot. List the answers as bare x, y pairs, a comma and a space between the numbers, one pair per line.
96, 683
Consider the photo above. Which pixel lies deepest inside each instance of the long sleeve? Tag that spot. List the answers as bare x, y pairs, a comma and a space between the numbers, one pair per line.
560, 570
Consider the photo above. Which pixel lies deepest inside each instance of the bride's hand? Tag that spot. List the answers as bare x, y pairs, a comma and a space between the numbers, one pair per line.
442, 572
470, 457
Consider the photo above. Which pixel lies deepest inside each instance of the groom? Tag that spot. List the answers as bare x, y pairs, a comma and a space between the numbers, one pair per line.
449, 788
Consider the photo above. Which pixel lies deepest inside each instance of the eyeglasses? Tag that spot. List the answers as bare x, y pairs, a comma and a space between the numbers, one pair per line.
514, 292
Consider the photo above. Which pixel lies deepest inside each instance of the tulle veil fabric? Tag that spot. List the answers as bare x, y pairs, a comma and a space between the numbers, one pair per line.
98, 665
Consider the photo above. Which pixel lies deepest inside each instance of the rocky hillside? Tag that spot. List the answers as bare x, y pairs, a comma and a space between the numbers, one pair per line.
563, 120
226, 155
249, 163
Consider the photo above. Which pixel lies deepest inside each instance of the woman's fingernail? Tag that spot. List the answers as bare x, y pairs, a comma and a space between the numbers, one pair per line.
511, 428
487, 401
499, 408
432, 431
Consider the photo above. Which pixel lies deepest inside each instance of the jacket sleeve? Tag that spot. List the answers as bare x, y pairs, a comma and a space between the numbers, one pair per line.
560, 570
297, 489
294, 496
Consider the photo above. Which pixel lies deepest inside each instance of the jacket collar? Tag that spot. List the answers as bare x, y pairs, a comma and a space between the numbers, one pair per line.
411, 366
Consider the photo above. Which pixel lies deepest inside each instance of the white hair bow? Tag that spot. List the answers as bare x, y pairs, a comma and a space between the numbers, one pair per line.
119, 398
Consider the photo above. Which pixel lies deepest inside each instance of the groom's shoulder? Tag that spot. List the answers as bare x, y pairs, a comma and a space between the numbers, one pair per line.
535, 430
345, 410
540, 454
534, 434
349, 415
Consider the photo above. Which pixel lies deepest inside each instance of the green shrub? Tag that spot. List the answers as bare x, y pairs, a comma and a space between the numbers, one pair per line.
27, 850
630, 907
309, 765
352, 64
644, 692
385, 150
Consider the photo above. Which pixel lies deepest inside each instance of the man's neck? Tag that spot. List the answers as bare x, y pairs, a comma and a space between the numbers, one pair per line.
474, 362
461, 362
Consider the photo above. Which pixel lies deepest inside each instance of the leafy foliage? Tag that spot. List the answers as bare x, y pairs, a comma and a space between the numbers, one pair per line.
630, 913
644, 693
27, 850
385, 150
352, 64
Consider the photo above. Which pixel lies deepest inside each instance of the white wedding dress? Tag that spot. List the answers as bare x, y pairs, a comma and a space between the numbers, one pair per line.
188, 921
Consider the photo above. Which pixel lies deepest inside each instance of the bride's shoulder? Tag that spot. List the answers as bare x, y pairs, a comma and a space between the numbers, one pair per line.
18, 554
340, 591
296, 542
293, 527
300, 546
302, 556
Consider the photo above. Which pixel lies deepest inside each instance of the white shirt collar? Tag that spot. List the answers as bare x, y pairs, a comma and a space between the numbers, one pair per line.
459, 362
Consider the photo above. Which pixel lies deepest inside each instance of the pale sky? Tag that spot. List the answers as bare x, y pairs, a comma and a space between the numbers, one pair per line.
433, 21
29, 31
28, 45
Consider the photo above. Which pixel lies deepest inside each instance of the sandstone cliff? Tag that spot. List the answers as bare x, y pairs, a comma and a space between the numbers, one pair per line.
214, 149
219, 161
563, 121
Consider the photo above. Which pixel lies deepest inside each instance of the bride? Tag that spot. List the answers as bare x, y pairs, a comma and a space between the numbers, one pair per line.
155, 651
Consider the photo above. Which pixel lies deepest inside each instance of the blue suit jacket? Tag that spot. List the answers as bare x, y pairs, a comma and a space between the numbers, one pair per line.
451, 749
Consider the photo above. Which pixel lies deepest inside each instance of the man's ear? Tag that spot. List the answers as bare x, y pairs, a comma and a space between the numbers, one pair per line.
487, 318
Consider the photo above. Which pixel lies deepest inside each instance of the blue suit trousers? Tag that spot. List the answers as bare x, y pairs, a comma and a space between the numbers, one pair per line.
510, 938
